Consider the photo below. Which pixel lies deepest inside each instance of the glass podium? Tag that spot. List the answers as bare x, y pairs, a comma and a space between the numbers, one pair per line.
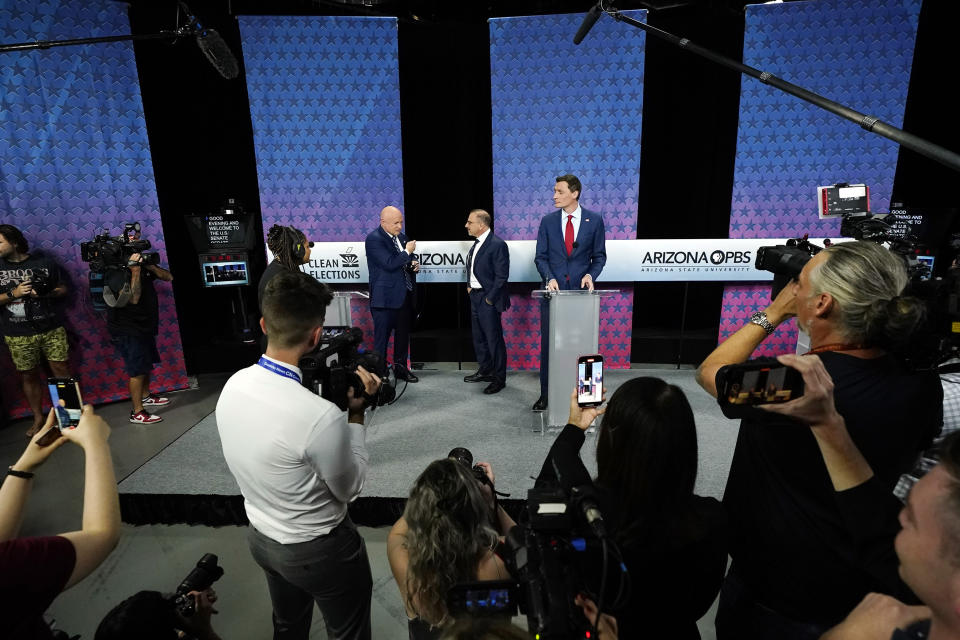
574, 331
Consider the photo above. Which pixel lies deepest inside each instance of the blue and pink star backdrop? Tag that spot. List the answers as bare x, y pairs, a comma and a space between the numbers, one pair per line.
325, 105
74, 160
858, 54
558, 109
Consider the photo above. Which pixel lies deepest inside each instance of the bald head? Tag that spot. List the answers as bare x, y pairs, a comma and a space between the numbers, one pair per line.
391, 220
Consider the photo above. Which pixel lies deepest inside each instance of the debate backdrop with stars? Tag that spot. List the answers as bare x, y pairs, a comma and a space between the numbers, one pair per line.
74, 161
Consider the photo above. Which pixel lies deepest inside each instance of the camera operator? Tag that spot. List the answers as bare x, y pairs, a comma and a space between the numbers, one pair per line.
673, 542
795, 571
446, 536
133, 330
149, 615
35, 570
299, 461
30, 316
927, 545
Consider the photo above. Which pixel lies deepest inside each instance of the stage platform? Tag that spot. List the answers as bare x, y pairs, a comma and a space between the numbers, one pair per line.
189, 482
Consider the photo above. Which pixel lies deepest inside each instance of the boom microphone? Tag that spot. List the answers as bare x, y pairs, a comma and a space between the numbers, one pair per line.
212, 46
588, 21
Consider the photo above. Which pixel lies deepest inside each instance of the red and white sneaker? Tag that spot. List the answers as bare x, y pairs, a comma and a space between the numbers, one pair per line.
153, 400
142, 417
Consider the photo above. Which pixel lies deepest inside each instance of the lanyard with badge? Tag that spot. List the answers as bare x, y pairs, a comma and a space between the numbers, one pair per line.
270, 365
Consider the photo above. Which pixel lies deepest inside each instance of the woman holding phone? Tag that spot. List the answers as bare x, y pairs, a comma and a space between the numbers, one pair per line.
672, 541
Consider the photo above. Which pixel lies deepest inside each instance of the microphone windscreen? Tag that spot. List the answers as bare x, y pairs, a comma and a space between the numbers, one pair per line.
588, 21
218, 53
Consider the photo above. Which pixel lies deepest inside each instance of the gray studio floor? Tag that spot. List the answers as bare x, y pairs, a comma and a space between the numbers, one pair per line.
159, 556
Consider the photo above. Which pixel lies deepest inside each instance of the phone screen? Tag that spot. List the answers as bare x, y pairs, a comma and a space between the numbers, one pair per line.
66, 400
763, 386
489, 598
589, 380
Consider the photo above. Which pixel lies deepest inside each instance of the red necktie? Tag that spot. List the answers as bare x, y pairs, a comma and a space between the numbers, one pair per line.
568, 235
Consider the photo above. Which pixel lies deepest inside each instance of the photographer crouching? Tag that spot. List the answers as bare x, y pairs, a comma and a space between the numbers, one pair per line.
299, 461
795, 571
133, 329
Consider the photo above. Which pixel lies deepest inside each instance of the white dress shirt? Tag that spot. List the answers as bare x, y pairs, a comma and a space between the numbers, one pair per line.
576, 223
474, 283
296, 458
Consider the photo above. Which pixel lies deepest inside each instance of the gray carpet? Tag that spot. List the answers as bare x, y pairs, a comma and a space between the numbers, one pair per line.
432, 417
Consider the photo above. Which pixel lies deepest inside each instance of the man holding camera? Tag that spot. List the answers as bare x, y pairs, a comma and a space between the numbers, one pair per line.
927, 544
30, 316
133, 330
795, 570
299, 462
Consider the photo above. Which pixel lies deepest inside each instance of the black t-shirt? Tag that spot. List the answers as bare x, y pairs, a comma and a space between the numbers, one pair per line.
29, 316
676, 561
790, 543
273, 269
141, 319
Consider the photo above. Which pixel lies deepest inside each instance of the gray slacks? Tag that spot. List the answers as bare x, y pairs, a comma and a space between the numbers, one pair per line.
332, 570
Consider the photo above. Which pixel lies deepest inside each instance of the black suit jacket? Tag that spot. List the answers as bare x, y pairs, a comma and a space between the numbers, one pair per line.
491, 267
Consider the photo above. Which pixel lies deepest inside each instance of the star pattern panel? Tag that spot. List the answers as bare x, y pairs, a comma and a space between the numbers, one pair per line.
855, 53
325, 104
561, 108
75, 160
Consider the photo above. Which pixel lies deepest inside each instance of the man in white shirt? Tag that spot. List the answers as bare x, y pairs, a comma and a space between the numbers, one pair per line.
488, 268
299, 461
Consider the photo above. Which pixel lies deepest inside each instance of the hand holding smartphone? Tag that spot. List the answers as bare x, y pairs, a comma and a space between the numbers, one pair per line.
590, 380
740, 387
66, 400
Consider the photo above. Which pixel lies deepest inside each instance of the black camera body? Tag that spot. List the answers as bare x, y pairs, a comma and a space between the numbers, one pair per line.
556, 555
785, 261
40, 282
106, 251
200, 578
465, 457
331, 370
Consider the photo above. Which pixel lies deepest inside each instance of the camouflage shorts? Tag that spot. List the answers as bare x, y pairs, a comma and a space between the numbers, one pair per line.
26, 351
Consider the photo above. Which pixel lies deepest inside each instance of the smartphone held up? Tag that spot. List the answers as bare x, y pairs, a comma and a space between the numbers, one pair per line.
66, 400
590, 380
742, 386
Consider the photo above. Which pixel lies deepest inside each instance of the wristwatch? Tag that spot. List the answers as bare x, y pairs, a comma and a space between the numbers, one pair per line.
759, 318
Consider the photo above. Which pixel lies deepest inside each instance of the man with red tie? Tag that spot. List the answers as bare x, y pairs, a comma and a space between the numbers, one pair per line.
571, 252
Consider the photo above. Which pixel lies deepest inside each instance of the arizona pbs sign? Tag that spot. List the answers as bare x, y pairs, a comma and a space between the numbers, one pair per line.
627, 261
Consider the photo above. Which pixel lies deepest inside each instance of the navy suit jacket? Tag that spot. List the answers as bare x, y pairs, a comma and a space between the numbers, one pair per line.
491, 266
387, 285
588, 257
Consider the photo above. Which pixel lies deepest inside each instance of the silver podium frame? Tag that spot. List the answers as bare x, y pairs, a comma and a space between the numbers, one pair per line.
338, 313
574, 331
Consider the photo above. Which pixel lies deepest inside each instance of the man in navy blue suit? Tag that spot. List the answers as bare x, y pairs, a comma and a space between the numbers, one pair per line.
393, 286
488, 267
571, 252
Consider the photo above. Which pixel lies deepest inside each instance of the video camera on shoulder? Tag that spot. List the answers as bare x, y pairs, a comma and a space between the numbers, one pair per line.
330, 370
740, 387
105, 251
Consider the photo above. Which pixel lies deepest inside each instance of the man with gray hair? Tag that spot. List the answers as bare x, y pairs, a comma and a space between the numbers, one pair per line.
796, 572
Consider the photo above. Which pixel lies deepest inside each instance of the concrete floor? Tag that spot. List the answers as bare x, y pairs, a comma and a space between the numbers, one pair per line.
158, 557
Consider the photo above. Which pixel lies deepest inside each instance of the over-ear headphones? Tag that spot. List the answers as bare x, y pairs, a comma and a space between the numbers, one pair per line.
297, 248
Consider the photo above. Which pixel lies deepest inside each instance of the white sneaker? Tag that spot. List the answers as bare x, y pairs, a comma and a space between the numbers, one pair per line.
142, 417
153, 400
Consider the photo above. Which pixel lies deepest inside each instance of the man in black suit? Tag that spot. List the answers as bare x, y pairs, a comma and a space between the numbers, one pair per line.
488, 267
393, 288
